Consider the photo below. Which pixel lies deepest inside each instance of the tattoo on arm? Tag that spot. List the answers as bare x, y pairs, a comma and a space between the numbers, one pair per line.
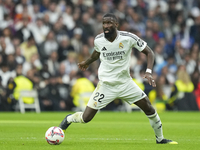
93, 57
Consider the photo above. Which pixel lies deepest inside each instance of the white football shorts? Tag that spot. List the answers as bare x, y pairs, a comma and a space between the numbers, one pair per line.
106, 93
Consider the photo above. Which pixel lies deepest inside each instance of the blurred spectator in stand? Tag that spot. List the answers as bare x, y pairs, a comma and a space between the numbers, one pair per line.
63, 77
189, 63
11, 101
76, 41
68, 17
106, 6
12, 64
92, 17
125, 26
159, 55
6, 74
4, 106
20, 6
34, 12
9, 8
139, 66
53, 12
60, 30
86, 27
167, 30
170, 63
48, 46
135, 22
174, 10
44, 5
179, 53
5, 49
77, 16
23, 83
64, 92
22, 27
78, 88
50, 98
97, 28
19, 58
46, 20
157, 33
52, 63
29, 48
120, 10
33, 64
160, 95
7, 34
44, 75
16, 42
182, 97
32, 75
138, 82
70, 63
64, 48
169, 76
39, 30
167, 48
178, 24
195, 52
148, 38
183, 36
2, 10
84, 53
90, 44
195, 30
7, 21
196, 81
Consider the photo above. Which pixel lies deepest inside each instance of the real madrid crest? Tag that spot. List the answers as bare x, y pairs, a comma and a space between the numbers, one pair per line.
121, 45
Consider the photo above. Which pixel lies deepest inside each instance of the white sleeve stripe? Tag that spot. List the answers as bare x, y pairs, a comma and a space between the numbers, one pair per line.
99, 36
127, 34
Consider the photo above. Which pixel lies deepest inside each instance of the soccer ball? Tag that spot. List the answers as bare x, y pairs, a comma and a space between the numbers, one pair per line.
54, 135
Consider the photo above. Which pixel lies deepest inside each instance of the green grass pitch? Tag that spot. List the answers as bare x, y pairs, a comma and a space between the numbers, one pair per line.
107, 131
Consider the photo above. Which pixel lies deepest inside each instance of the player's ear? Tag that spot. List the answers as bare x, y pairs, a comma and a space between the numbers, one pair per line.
116, 24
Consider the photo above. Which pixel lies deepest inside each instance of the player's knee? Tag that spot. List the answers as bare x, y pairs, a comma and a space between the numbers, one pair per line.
87, 119
149, 110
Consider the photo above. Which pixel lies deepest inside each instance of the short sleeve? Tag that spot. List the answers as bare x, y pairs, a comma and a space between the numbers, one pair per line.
140, 44
96, 47
137, 43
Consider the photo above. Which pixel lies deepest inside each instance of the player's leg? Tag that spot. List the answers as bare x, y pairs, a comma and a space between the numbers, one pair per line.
131, 93
145, 105
154, 120
82, 117
78, 117
100, 98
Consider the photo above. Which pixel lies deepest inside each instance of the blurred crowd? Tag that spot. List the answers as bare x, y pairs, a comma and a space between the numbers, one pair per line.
41, 42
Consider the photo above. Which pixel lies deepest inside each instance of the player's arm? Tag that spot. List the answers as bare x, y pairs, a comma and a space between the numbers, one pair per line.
150, 60
85, 64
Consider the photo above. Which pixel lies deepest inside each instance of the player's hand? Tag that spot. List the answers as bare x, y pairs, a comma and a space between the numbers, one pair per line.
150, 79
83, 66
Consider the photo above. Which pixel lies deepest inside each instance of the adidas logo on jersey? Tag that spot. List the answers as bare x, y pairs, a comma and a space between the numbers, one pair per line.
103, 49
142, 94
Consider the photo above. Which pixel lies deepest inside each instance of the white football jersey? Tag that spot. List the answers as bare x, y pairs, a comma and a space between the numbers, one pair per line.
115, 56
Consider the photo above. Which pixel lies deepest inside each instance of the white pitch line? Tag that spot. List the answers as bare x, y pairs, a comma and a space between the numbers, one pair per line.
27, 121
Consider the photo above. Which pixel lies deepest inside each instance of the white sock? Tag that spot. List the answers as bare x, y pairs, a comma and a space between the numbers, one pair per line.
76, 118
156, 125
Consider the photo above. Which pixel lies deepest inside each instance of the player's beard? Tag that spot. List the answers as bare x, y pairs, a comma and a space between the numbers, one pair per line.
109, 34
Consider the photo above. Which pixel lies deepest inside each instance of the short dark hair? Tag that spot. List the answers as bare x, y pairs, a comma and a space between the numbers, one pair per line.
111, 15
